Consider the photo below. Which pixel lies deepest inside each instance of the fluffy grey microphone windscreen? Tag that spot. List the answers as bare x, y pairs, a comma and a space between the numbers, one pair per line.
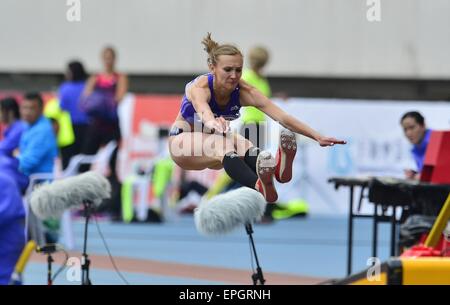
52, 199
223, 213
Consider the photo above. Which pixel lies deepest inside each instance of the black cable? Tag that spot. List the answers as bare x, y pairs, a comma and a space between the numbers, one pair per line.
109, 253
63, 266
54, 248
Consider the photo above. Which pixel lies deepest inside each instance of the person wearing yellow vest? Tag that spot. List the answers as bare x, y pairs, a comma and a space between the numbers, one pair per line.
252, 118
65, 135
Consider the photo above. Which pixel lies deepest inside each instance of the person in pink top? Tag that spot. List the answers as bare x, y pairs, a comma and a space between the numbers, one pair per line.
103, 127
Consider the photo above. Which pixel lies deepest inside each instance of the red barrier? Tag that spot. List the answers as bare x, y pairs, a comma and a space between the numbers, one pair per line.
158, 109
436, 165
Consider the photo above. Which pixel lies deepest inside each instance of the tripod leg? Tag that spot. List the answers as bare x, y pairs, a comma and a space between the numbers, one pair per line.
85, 280
49, 269
259, 274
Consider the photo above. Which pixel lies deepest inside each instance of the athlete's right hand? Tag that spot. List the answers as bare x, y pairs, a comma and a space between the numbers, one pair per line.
225, 124
213, 126
218, 125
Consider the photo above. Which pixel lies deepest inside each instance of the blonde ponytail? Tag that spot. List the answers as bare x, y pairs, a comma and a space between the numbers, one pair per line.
214, 49
209, 44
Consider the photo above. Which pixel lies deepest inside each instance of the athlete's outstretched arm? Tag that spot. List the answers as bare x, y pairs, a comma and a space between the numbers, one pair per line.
250, 96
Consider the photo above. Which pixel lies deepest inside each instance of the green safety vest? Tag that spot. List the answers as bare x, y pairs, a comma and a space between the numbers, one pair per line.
251, 114
65, 135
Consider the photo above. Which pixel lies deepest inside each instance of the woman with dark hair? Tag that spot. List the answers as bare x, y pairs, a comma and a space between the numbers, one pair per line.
415, 129
10, 116
69, 96
76, 72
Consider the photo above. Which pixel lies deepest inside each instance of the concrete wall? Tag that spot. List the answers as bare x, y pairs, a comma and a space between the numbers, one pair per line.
306, 37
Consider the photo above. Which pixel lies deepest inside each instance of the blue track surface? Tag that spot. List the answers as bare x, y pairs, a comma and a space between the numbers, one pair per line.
313, 246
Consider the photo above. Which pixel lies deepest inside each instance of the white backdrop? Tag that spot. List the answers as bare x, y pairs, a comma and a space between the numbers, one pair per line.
305, 37
376, 145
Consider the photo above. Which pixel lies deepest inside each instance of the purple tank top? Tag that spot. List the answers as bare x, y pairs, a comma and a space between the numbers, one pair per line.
231, 111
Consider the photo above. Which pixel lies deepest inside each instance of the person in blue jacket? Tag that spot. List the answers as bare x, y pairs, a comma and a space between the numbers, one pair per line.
38, 148
12, 216
10, 116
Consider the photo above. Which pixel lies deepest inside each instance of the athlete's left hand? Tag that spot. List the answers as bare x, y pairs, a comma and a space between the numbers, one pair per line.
225, 124
327, 141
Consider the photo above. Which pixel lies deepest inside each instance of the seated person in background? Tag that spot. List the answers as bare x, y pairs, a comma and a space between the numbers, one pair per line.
37, 148
415, 130
10, 116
